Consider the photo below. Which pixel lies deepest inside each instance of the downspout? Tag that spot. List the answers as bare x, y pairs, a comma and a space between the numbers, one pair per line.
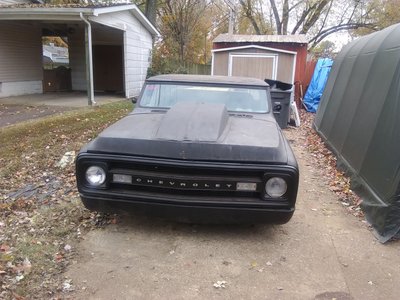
212, 62
89, 60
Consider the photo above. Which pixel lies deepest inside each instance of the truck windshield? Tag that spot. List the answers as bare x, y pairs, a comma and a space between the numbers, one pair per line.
236, 99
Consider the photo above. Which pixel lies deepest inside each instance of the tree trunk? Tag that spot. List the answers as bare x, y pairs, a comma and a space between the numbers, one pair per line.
276, 16
285, 16
151, 10
249, 14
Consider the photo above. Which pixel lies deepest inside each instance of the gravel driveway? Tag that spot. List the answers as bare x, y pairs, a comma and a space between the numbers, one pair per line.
322, 253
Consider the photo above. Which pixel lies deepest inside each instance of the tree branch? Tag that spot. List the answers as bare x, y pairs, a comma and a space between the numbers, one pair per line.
295, 5
249, 14
324, 33
304, 15
314, 17
276, 16
326, 17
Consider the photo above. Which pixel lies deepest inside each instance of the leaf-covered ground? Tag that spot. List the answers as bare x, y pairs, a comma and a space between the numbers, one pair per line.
41, 217
324, 159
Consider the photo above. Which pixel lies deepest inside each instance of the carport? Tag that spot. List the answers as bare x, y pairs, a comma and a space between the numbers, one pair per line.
109, 48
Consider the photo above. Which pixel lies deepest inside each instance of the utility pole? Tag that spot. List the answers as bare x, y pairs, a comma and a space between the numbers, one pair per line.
205, 48
232, 11
231, 21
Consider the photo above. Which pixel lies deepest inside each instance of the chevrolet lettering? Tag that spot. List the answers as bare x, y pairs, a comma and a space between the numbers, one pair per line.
195, 148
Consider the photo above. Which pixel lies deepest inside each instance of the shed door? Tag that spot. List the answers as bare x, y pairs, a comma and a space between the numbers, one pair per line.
257, 66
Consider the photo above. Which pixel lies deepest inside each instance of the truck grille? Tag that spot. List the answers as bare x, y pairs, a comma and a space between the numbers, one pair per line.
187, 180
184, 181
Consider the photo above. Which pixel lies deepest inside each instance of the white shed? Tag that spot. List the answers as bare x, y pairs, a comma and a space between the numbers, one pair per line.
109, 46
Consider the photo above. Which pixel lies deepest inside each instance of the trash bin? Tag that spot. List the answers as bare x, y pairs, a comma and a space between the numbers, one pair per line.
280, 99
281, 106
280, 85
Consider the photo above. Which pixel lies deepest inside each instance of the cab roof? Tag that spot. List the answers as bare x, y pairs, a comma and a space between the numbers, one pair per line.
208, 79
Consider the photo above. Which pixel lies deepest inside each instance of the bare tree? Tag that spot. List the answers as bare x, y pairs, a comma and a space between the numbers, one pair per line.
151, 10
248, 11
315, 18
179, 19
253, 11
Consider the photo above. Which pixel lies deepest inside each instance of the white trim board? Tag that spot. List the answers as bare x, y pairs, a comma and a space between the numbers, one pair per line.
253, 47
294, 68
212, 63
73, 14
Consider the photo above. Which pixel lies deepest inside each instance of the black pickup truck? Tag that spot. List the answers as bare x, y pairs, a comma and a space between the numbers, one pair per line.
197, 149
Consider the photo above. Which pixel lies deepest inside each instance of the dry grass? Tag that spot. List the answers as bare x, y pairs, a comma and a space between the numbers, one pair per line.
38, 228
39, 143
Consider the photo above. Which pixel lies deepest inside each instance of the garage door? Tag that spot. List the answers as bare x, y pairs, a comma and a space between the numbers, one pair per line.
261, 67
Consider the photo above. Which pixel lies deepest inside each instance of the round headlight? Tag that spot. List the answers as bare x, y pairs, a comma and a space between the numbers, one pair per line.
95, 175
276, 187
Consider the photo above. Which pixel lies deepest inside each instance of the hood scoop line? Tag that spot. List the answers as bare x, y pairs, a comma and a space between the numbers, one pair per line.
193, 121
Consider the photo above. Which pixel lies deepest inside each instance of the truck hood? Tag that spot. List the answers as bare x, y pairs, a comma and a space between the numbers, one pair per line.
194, 131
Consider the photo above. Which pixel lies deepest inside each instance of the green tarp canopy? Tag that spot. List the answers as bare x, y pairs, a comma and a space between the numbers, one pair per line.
359, 119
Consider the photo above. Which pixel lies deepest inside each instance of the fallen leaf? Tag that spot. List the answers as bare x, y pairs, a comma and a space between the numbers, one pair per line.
220, 284
26, 266
19, 277
4, 248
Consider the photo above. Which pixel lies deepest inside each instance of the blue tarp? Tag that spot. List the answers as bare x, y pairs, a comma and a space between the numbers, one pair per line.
317, 84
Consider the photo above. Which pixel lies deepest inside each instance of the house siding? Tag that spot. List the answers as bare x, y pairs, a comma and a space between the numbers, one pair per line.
137, 48
221, 63
20, 59
21, 70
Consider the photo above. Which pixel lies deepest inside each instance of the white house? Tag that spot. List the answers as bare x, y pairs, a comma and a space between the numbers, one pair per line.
109, 46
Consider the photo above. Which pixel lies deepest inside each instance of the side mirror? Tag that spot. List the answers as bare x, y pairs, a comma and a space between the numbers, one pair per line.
134, 99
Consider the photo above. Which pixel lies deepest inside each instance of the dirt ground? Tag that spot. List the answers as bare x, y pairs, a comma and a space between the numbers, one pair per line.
12, 114
322, 253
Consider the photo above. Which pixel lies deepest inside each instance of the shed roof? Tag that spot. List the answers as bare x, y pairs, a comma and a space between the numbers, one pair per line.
252, 47
69, 12
241, 38
13, 2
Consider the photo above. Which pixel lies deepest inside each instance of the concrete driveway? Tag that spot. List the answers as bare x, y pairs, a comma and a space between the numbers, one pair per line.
322, 253
27, 107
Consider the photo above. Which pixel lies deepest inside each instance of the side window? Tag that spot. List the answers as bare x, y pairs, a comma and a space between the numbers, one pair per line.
151, 95
259, 100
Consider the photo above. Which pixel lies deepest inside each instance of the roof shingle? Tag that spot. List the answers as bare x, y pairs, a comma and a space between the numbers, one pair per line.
30, 4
